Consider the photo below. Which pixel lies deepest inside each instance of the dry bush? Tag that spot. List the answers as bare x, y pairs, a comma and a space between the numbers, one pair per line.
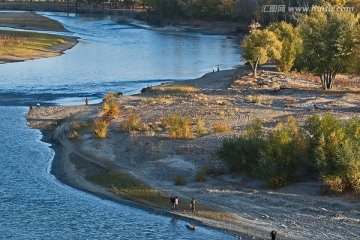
179, 88
178, 126
111, 109
100, 128
221, 127
133, 123
254, 99
201, 128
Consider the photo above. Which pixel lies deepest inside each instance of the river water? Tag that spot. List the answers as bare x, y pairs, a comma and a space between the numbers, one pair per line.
109, 57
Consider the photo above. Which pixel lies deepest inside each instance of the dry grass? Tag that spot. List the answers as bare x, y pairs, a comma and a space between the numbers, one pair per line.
100, 128
178, 126
19, 44
133, 123
27, 20
179, 88
221, 127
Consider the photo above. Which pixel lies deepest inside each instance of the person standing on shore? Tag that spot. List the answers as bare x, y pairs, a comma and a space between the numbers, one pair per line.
192, 204
86, 101
218, 69
273, 235
172, 200
176, 202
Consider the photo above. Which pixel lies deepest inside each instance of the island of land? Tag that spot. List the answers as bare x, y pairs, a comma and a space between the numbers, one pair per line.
26, 45
144, 166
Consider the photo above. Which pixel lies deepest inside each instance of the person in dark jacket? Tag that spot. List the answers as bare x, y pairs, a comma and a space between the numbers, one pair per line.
273, 235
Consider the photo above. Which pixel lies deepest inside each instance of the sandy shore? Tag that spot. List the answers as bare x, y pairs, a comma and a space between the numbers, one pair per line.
31, 21
250, 211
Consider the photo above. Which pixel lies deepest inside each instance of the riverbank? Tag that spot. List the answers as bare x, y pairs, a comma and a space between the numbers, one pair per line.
236, 204
231, 29
21, 46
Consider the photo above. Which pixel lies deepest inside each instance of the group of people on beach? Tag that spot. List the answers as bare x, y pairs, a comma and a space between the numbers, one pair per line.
175, 203
217, 69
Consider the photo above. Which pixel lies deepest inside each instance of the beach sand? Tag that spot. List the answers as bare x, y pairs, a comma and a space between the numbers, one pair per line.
249, 210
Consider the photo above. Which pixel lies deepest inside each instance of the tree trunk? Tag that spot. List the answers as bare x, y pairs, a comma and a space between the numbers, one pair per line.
327, 79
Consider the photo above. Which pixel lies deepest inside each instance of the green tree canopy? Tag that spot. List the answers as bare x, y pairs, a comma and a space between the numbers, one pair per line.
291, 44
259, 47
329, 40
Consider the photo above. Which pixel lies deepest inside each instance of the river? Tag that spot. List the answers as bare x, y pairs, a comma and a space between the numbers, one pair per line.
109, 58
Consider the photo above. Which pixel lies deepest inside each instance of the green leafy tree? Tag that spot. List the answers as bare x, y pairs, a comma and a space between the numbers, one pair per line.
329, 40
259, 47
291, 44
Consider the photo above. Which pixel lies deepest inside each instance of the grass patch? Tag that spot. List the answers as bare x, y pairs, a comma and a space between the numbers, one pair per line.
180, 180
254, 99
100, 128
133, 123
200, 175
178, 126
179, 88
201, 127
221, 127
16, 43
111, 109
77, 128
124, 184
28, 20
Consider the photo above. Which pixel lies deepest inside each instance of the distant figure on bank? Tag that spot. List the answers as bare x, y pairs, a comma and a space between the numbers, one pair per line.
176, 202
273, 235
38, 104
218, 69
213, 69
30, 107
86, 101
192, 204
172, 200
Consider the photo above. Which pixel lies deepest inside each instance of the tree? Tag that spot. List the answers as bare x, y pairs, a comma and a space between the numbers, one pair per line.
329, 40
291, 44
259, 47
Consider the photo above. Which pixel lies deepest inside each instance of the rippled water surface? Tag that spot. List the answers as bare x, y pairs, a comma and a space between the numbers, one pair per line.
109, 57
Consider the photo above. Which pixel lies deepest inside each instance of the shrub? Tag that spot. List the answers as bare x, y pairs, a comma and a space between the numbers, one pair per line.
77, 128
111, 109
283, 157
178, 126
335, 151
242, 154
131, 123
221, 127
100, 128
180, 180
200, 175
201, 129
254, 99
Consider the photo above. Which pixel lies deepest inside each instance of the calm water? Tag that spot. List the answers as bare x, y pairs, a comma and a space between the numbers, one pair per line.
110, 57
114, 58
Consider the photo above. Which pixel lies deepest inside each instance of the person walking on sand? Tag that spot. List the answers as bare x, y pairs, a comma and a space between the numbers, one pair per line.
86, 101
218, 69
192, 204
213, 69
172, 200
176, 202
273, 235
